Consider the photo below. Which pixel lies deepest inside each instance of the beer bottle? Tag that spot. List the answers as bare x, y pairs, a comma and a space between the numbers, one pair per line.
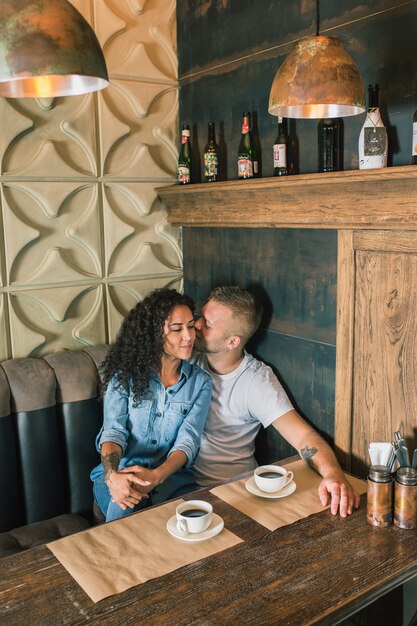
281, 145
246, 163
185, 158
211, 159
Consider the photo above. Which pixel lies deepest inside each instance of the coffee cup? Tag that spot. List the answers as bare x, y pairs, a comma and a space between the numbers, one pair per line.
194, 516
272, 478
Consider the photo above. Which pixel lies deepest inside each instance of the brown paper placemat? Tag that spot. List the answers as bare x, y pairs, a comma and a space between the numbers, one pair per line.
274, 513
113, 557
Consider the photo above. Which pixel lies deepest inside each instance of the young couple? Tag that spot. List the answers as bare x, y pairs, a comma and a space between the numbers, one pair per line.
173, 419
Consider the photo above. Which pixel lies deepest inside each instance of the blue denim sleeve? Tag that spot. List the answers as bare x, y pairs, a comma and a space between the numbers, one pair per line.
190, 431
116, 407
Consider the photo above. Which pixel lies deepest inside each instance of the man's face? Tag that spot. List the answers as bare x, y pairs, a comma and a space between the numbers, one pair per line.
213, 328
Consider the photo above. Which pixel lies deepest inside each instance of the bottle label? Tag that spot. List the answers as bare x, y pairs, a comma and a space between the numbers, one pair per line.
280, 155
183, 174
210, 164
414, 151
245, 128
245, 168
375, 141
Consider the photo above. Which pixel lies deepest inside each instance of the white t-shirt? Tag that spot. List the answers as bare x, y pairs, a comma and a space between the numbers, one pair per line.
242, 401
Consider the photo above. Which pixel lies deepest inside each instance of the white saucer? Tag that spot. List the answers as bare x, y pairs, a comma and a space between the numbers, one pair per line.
282, 493
216, 526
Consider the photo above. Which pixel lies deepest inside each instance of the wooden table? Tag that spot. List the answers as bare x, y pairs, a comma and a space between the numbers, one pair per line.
318, 570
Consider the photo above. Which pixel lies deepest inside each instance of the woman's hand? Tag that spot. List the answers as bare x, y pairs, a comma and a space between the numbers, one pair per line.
126, 488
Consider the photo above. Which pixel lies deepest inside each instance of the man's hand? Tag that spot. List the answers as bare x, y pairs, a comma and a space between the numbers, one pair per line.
343, 498
126, 488
145, 479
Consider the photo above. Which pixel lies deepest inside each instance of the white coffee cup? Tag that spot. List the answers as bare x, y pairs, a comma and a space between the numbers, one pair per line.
194, 516
272, 478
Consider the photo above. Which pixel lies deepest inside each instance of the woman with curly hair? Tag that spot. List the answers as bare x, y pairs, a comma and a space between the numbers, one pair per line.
155, 407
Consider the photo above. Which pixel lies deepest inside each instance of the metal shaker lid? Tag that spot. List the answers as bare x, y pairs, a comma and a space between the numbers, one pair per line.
380, 473
407, 475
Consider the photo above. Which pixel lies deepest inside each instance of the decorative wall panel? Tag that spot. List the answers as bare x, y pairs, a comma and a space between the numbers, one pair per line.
3, 329
59, 317
122, 296
83, 236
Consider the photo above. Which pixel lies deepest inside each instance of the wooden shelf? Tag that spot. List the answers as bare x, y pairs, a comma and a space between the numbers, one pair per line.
356, 199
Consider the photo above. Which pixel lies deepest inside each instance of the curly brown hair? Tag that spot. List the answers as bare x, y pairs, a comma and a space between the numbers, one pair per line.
139, 344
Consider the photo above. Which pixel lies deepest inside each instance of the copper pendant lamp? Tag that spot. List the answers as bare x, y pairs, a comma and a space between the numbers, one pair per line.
48, 49
318, 79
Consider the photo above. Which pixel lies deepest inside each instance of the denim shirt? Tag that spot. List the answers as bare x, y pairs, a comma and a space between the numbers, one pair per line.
164, 421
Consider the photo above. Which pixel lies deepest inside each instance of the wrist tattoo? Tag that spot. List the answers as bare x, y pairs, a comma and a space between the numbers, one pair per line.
110, 463
307, 455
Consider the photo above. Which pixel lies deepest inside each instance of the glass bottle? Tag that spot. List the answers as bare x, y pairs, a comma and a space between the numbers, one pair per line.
185, 158
246, 161
281, 145
405, 498
414, 146
211, 158
330, 140
379, 498
373, 138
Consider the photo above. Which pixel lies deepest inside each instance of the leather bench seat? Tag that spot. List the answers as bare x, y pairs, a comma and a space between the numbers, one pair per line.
35, 534
50, 414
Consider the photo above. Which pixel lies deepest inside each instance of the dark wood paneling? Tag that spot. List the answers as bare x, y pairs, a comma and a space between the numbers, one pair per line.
382, 45
297, 283
306, 370
213, 31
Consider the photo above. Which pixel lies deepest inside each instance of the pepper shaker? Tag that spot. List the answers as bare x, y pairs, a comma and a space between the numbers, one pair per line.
405, 498
379, 498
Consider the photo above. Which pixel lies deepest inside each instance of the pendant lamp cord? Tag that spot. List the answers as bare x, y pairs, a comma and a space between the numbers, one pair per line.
317, 17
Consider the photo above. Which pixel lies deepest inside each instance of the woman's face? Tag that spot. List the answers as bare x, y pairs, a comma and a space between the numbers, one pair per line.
179, 333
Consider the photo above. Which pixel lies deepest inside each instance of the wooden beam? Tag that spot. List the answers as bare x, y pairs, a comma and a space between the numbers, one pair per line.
355, 199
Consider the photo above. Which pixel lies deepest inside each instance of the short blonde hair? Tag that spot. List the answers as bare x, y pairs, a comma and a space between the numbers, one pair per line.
247, 311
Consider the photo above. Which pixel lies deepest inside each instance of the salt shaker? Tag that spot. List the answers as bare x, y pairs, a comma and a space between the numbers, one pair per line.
379, 499
405, 498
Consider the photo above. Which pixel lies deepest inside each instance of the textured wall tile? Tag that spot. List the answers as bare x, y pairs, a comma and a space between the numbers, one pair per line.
4, 349
138, 38
14, 125
56, 142
123, 296
138, 241
56, 232
65, 233
44, 320
137, 124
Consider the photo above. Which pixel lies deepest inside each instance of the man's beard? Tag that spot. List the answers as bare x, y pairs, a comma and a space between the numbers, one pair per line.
199, 344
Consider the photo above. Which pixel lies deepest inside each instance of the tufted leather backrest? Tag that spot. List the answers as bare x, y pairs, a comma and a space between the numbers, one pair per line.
49, 416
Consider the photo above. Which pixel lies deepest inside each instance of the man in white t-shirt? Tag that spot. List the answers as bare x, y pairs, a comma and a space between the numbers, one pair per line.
248, 395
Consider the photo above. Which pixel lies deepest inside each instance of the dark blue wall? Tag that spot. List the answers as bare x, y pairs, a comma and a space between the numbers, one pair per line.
229, 53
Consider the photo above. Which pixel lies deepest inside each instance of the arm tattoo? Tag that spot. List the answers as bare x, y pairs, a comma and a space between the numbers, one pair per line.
110, 463
307, 455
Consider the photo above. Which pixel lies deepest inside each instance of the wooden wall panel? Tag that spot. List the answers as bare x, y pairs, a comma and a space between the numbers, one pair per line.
376, 342
385, 363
